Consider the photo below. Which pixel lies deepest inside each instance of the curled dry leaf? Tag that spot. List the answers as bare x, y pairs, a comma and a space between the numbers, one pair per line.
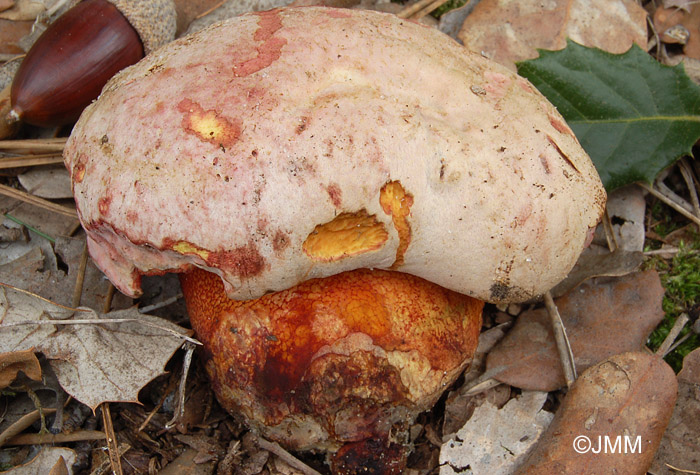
24, 10
496, 440
94, 362
626, 399
12, 363
511, 30
680, 446
601, 319
676, 25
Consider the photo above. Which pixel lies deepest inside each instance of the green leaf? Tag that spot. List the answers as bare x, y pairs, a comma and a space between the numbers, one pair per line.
633, 115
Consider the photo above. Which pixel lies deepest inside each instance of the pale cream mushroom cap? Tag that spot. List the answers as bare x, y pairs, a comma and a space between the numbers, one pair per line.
234, 148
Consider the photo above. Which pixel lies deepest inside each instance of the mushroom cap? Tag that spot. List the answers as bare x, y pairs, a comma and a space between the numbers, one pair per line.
340, 360
298, 143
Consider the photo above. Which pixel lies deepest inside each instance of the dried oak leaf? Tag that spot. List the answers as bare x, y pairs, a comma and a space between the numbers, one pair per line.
626, 400
680, 446
51, 460
94, 362
601, 319
16, 361
512, 30
496, 440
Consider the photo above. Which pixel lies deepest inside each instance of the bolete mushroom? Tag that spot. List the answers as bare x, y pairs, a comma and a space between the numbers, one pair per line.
284, 151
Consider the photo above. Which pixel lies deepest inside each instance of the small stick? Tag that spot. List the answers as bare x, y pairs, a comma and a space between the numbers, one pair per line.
565, 354
609, 232
108, 299
670, 203
112, 447
180, 411
171, 386
80, 278
413, 8
39, 202
691, 472
22, 424
673, 334
289, 459
35, 439
690, 180
30, 161
428, 10
47, 145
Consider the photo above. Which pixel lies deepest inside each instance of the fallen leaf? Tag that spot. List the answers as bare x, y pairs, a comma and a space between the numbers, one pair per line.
451, 22
5, 4
94, 362
680, 446
512, 30
601, 319
625, 402
680, 26
10, 34
47, 182
45, 462
591, 264
626, 208
16, 361
631, 114
496, 440
48, 222
24, 10
684, 4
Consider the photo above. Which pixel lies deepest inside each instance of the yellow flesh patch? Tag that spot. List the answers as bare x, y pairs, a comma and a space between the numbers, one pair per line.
397, 203
184, 247
348, 234
207, 126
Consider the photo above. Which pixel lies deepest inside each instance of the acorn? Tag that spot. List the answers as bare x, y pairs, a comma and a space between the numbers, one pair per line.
74, 58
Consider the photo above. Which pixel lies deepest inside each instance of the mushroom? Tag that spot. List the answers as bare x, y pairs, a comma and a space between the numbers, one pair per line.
275, 155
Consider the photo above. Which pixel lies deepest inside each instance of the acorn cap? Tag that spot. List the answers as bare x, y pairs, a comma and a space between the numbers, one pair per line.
154, 20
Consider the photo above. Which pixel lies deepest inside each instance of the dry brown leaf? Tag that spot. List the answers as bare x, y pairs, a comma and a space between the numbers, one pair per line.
47, 182
5, 4
16, 361
511, 30
684, 4
496, 440
680, 26
94, 362
680, 446
24, 10
591, 264
46, 462
626, 400
10, 34
601, 319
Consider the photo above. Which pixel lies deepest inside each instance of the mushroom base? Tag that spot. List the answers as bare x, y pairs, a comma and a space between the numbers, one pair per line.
342, 364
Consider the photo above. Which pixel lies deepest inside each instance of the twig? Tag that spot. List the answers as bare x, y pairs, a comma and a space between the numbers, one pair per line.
428, 10
673, 334
563, 346
179, 412
691, 472
36, 201
30, 161
670, 203
80, 278
22, 424
112, 447
289, 459
47, 145
662, 188
208, 11
609, 232
690, 181
413, 8
158, 305
35, 439
171, 386
108, 299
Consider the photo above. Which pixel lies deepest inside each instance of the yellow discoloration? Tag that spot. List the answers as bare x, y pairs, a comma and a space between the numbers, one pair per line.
184, 247
207, 126
347, 235
397, 203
